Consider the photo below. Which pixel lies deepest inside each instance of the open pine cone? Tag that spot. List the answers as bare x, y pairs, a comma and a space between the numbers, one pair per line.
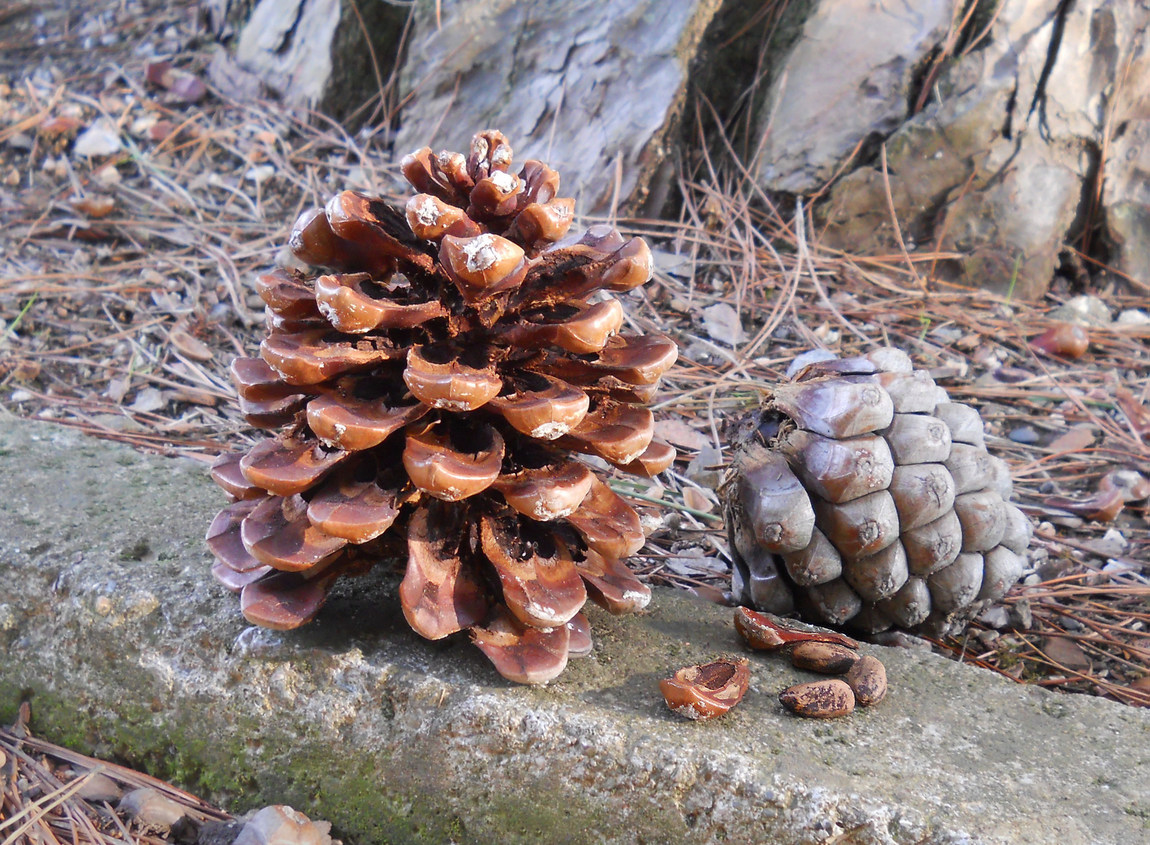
431, 382
861, 495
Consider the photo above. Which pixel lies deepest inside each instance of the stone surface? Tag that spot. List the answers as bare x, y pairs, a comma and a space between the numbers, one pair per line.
1000, 165
592, 88
819, 111
1126, 168
111, 624
313, 53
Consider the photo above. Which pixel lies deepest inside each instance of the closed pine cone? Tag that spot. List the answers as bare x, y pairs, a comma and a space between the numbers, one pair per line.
861, 495
430, 381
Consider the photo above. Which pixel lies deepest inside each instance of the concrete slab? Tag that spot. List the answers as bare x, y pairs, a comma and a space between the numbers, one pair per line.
111, 623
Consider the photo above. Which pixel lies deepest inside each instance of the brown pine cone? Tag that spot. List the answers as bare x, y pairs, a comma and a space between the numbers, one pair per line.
431, 381
861, 495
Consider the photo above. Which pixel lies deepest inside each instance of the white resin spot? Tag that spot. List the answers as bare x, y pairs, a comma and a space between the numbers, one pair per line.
428, 212
502, 155
451, 404
480, 253
329, 313
545, 514
503, 181
550, 431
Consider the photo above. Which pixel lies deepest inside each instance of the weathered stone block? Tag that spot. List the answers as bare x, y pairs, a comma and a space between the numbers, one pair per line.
1000, 164
315, 54
111, 623
848, 78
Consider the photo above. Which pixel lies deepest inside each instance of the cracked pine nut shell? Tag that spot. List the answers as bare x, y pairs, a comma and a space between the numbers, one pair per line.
707, 690
860, 496
867, 679
826, 699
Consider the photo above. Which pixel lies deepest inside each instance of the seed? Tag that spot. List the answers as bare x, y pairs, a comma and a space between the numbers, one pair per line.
826, 699
868, 680
828, 658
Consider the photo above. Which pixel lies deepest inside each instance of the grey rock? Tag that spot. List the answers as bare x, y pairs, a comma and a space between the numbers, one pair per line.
995, 616
99, 139
151, 810
848, 77
1133, 317
996, 167
591, 88
313, 53
356, 720
1084, 310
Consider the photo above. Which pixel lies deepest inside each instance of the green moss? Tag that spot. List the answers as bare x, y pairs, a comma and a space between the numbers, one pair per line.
136, 551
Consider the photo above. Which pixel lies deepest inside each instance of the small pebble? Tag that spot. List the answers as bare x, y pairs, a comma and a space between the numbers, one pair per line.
100, 139
1023, 434
1129, 317
148, 808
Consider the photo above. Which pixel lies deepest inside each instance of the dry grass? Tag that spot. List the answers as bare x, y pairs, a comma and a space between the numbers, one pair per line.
44, 788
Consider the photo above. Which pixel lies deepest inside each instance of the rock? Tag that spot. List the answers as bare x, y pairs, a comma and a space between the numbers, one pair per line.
819, 111
313, 53
996, 166
1021, 616
592, 88
1132, 317
1023, 434
1083, 310
98, 788
705, 469
151, 810
99, 139
281, 825
1126, 168
721, 322
996, 616
357, 720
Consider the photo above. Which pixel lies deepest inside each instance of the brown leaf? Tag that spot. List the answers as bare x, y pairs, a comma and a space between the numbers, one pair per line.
1134, 410
182, 84
1101, 507
1075, 440
695, 499
189, 346
1067, 340
1067, 653
681, 434
94, 206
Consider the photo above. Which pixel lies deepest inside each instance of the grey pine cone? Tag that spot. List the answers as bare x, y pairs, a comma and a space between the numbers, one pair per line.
860, 495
